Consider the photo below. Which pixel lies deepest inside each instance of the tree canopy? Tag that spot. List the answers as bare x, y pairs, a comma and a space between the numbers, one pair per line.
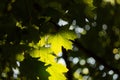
59, 39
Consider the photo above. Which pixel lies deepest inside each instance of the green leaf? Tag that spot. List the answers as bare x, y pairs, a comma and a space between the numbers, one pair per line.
33, 69
89, 8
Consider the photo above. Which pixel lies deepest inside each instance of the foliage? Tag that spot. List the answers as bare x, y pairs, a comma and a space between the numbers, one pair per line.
36, 34
37, 69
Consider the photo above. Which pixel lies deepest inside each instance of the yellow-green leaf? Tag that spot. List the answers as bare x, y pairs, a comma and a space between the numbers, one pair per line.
43, 41
61, 39
20, 57
56, 71
44, 54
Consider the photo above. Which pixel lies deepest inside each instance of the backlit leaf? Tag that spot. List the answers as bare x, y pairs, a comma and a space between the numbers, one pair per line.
43, 40
56, 71
55, 68
61, 39
44, 54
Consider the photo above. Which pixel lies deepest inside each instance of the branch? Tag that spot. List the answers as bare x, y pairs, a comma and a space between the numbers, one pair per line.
65, 57
57, 27
97, 58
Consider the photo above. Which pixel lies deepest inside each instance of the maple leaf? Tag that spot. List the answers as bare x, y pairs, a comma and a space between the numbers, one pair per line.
56, 42
61, 39
55, 70
44, 55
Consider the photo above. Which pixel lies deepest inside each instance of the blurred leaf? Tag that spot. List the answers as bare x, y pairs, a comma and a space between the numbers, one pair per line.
20, 57
33, 69
89, 8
